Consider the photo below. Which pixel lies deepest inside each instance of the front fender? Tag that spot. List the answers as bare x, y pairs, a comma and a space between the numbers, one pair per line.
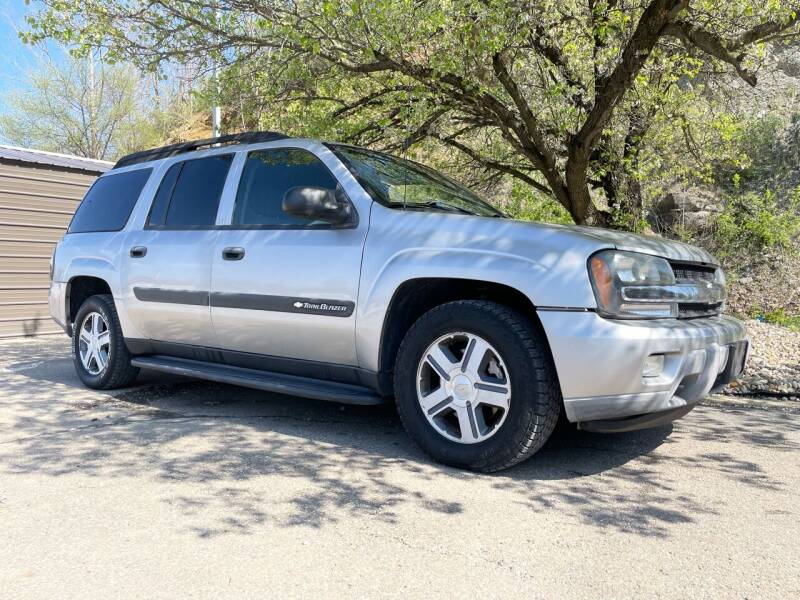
538, 278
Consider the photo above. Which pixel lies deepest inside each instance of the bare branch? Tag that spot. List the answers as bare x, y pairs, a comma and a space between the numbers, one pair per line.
495, 165
692, 35
727, 50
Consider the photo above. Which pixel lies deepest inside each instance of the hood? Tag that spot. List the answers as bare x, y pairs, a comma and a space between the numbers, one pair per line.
526, 238
646, 244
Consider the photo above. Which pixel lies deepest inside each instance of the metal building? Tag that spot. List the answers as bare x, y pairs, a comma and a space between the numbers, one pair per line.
39, 192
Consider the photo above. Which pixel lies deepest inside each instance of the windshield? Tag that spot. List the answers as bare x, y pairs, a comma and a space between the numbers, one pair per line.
399, 183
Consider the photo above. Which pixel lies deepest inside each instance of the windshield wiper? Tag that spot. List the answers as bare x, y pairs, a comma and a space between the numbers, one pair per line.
466, 211
436, 204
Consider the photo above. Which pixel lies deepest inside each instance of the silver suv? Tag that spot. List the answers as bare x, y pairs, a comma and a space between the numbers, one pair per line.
338, 273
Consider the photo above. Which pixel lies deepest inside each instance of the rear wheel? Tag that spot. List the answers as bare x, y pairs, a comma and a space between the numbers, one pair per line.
101, 358
475, 386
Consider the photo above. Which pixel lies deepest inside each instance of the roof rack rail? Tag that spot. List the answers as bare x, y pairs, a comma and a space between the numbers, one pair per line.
248, 137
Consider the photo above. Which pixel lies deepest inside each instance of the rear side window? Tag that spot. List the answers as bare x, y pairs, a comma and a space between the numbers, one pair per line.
189, 194
109, 202
158, 212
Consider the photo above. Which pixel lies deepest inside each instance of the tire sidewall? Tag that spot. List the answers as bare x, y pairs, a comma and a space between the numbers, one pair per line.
90, 305
524, 387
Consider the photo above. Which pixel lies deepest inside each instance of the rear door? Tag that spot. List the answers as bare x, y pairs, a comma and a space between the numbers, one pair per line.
284, 286
167, 263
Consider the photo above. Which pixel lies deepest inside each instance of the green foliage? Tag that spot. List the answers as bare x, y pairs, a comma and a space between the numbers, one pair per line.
83, 108
627, 220
525, 204
758, 154
88, 108
571, 98
777, 316
753, 222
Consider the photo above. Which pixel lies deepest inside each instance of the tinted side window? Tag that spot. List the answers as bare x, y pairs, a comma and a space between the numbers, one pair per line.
158, 212
267, 175
109, 202
195, 194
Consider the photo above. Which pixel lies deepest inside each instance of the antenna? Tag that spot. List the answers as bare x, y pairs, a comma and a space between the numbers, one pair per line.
216, 111
216, 119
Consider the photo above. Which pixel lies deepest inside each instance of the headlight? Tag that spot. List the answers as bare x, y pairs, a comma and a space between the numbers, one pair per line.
639, 286
719, 277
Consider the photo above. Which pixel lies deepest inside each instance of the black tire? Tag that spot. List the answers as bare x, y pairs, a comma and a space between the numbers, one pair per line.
118, 371
535, 397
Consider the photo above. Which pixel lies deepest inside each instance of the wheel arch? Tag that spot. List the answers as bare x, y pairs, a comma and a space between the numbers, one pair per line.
414, 297
79, 288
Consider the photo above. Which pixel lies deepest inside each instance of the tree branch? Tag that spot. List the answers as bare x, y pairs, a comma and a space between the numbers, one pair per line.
726, 50
608, 92
540, 42
764, 30
370, 99
711, 44
495, 165
421, 132
530, 143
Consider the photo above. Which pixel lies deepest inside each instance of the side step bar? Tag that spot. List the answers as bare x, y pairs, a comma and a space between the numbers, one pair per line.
261, 380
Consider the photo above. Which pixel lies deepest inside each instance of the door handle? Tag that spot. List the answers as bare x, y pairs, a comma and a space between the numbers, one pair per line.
233, 253
138, 252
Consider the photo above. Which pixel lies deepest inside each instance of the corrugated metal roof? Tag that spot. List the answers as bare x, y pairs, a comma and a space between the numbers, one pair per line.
54, 159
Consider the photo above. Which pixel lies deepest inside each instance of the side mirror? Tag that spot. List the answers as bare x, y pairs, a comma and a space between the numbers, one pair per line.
317, 204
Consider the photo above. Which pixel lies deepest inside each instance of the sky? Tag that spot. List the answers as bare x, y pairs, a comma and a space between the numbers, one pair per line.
18, 59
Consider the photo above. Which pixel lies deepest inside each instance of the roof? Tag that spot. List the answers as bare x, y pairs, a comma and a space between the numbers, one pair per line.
54, 159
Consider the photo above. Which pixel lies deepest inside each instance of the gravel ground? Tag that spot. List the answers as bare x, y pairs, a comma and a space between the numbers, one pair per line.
774, 364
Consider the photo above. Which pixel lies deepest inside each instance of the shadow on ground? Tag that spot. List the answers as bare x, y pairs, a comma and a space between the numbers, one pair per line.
254, 458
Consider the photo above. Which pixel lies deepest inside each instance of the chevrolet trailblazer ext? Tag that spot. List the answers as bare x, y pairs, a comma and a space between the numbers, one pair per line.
338, 273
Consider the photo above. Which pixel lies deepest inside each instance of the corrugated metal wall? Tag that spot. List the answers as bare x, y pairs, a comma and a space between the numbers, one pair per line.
36, 205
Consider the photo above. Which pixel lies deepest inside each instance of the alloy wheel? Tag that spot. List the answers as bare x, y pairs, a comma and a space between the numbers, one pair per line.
463, 387
94, 343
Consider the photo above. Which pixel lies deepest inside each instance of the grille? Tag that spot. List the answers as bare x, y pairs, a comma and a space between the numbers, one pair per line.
690, 273
691, 310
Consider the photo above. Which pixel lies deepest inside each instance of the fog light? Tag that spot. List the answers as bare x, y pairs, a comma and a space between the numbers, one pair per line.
653, 365
723, 359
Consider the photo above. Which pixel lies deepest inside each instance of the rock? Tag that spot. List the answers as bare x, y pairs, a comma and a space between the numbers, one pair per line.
774, 364
681, 208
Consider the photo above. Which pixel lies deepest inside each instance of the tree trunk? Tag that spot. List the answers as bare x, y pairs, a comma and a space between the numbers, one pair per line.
580, 201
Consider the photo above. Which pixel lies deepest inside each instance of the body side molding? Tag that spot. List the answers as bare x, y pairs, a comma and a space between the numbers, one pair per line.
293, 304
192, 297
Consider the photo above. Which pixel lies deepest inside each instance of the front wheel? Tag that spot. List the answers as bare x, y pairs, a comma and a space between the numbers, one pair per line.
101, 358
475, 386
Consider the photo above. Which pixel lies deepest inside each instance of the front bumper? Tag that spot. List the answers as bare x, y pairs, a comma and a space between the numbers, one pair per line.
600, 365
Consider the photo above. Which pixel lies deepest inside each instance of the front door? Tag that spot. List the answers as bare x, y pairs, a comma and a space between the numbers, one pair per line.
282, 285
167, 272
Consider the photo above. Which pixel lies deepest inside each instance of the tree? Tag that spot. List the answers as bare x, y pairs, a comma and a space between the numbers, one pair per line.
558, 94
89, 108
82, 107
